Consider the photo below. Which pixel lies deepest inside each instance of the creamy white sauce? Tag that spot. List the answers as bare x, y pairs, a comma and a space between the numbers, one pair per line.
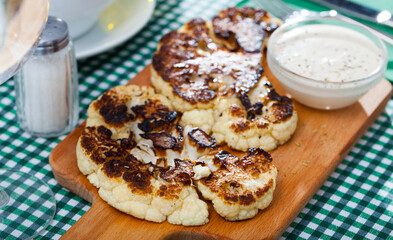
327, 53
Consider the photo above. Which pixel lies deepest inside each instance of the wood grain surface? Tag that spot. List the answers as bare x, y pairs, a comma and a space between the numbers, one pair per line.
321, 141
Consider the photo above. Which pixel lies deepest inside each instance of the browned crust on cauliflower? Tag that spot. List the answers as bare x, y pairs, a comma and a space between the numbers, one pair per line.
113, 109
177, 47
279, 111
260, 118
148, 165
97, 142
199, 66
229, 181
244, 29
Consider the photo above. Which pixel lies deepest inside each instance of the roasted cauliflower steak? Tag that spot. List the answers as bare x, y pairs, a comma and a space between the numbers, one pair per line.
200, 133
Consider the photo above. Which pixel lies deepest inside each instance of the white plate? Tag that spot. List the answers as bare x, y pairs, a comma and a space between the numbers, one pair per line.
117, 23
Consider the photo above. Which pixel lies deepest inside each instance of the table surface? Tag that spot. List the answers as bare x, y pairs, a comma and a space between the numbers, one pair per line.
355, 202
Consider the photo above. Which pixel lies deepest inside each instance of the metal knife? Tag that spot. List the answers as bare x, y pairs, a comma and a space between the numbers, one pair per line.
360, 11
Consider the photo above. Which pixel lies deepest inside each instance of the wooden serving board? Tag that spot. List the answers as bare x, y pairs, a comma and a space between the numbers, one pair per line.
321, 141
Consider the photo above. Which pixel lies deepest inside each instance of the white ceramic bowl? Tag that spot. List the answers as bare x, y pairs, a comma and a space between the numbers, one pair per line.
320, 94
80, 15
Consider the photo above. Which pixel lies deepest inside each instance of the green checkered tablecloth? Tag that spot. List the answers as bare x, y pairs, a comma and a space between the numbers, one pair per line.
356, 202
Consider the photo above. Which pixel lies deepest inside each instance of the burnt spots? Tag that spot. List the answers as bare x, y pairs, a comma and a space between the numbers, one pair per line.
261, 191
98, 144
162, 140
199, 30
194, 92
259, 153
197, 23
154, 115
201, 138
181, 173
223, 159
282, 110
164, 122
153, 109
176, 176
104, 132
115, 115
139, 180
244, 28
175, 47
180, 138
253, 110
131, 163
170, 191
245, 100
107, 151
234, 184
273, 95
88, 139
97, 156
113, 152
246, 199
113, 109
257, 160
159, 125
113, 168
241, 126
128, 143
135, 173
237, 111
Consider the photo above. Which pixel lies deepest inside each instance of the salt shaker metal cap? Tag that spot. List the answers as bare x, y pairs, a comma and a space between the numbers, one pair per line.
54, 38
47, 85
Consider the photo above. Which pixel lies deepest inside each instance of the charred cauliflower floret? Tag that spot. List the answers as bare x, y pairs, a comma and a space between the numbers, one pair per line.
247, 29
113, 108
261, 118
239, 187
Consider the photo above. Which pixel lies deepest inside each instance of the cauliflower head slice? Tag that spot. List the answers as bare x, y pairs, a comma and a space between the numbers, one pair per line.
113, 108
141, 189
261, 118
176, 203
149, 192
239, 187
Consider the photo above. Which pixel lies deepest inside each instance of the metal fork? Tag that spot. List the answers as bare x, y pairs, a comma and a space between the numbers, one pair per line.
286, 13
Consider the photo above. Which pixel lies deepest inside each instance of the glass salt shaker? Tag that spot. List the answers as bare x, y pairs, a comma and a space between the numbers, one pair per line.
47, 86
